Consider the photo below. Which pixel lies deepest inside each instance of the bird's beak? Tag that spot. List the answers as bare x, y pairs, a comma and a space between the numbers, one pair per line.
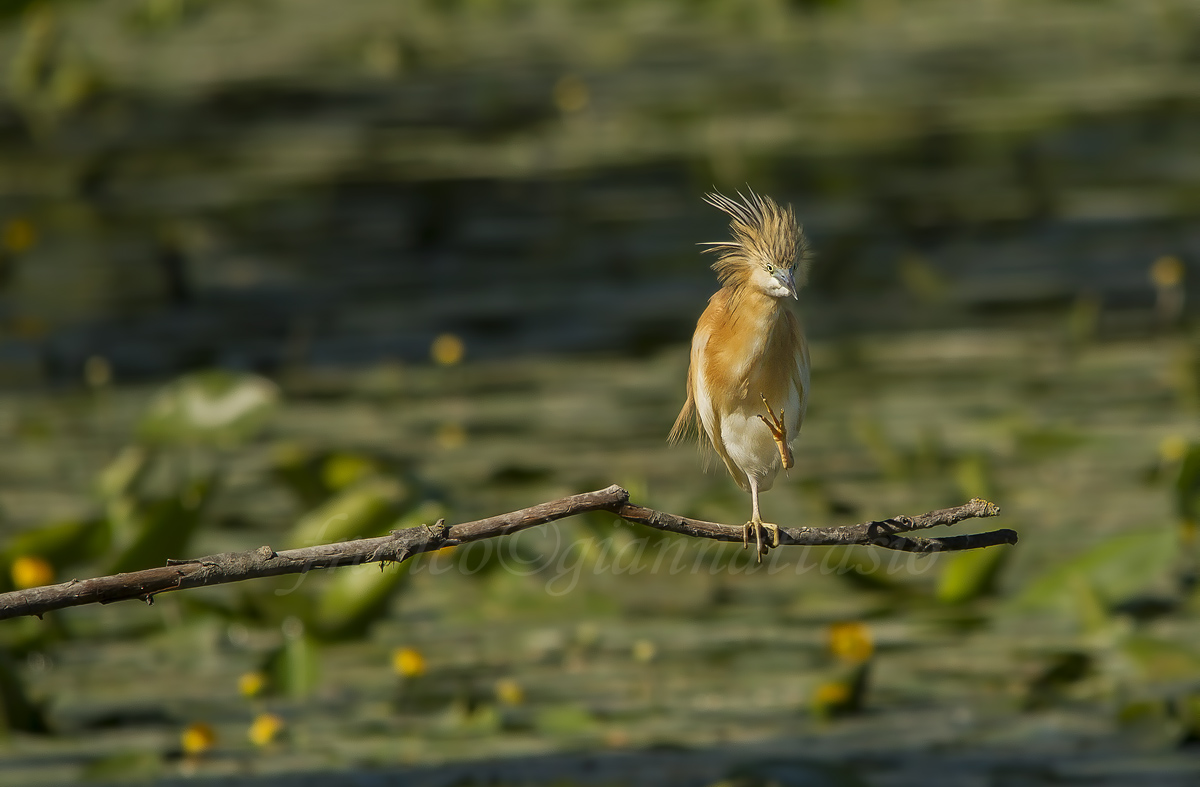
787, 277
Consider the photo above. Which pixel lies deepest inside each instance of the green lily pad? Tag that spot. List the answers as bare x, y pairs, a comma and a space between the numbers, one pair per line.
295, 667
163, 527
314, 475
966, 576
1159, 660
1187, 485
211, 407
135, 766
17, 712
1117, 569
564, 720
356, 597
367, 509
123, 475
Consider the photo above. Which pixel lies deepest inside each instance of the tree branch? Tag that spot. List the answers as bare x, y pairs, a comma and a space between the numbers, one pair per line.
404, 544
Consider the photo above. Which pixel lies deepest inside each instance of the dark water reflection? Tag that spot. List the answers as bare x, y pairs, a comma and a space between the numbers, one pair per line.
264, 219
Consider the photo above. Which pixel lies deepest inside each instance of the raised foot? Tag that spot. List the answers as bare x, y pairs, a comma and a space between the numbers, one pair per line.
757, 527
778, 431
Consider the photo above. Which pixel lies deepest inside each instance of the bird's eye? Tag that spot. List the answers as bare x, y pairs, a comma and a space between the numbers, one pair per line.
770, 268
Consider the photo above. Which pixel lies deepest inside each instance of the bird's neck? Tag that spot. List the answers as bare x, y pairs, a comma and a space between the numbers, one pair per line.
742, 324
745, 302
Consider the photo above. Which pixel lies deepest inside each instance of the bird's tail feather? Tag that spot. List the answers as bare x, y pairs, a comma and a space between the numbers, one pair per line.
688, 425
685, 424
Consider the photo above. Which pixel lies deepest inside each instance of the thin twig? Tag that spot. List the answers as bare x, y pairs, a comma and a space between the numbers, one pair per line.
404, 544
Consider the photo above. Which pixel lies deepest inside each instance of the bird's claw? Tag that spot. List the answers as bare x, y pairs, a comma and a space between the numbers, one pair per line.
778, 431
758, 528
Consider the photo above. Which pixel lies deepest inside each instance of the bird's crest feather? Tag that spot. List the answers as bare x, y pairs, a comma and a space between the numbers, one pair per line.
763, 232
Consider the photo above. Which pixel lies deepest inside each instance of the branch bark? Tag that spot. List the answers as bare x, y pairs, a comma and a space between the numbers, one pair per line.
404, 544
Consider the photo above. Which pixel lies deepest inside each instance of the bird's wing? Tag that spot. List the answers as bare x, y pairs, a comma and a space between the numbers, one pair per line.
691, 417
686, 422
799, 367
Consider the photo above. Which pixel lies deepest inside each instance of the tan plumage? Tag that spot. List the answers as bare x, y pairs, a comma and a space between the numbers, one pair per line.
749, 353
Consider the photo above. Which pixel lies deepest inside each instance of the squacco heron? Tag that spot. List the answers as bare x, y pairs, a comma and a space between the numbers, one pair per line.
749, 352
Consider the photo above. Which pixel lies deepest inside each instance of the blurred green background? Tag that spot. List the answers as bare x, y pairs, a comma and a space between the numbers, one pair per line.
290, 273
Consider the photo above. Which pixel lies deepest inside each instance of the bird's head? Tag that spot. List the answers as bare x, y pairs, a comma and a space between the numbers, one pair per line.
776, 280
768, 252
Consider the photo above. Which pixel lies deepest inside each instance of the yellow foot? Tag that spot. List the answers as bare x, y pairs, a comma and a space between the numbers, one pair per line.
779, 432
757, 527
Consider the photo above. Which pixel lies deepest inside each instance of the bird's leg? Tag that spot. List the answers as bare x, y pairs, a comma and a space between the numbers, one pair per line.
757, 525
779, 432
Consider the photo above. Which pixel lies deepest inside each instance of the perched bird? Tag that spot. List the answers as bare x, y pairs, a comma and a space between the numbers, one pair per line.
749, 352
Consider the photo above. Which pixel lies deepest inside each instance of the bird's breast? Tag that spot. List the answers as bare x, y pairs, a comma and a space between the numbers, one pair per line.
731, 380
